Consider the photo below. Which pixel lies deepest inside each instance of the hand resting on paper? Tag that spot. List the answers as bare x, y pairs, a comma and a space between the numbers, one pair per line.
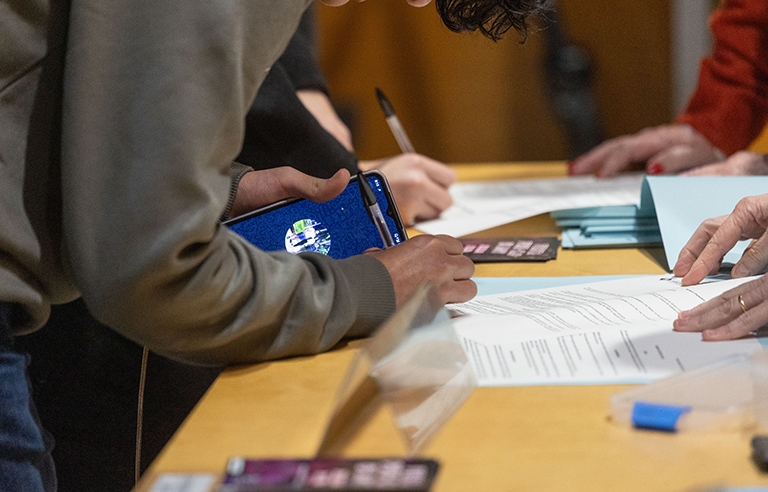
668, 149
739, 164
723, 317
439, 259
744, 309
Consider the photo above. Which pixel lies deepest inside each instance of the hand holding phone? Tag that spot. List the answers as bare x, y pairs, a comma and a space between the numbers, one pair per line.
340, 228
258, 189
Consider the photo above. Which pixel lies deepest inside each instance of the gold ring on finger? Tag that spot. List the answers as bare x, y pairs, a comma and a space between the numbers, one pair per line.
742, 304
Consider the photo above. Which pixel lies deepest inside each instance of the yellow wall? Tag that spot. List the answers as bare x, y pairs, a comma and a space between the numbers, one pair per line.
463, 98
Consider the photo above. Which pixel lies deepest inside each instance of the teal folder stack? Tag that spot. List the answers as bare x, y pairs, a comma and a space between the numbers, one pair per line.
671, 208
608, 227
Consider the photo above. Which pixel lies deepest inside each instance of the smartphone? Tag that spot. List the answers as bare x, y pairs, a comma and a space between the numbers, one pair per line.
338, 228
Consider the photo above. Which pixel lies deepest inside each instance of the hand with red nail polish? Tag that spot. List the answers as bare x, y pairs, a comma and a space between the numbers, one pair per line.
667, 149
739, 164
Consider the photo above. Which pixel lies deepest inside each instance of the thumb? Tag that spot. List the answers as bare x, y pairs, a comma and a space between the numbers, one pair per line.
680, 158
300, 185
259, 188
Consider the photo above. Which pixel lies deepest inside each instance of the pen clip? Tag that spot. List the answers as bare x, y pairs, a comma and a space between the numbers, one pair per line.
369, 197
374, 211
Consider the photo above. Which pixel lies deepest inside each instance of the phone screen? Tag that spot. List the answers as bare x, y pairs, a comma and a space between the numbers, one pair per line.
338, 228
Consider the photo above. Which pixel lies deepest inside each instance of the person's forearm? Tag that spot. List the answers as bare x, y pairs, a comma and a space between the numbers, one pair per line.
300, 57
153, 117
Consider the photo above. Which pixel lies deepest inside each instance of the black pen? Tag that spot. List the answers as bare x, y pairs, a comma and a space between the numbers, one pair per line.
394, 123
374, 212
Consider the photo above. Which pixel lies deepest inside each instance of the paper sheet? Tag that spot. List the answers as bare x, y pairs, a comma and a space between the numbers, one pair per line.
482, 205
618, 331
501, 285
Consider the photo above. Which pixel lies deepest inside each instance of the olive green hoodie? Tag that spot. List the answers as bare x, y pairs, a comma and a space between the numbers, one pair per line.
119, 121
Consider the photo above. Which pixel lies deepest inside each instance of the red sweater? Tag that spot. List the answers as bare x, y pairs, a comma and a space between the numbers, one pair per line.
730, 105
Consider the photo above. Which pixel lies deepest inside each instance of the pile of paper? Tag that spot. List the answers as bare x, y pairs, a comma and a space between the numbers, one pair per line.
607, 227
481, 205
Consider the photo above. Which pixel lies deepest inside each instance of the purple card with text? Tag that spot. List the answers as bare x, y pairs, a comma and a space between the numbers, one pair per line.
329, 474
495, 249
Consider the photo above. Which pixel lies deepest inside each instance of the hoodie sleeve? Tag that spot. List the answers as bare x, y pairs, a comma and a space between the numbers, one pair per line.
155, 97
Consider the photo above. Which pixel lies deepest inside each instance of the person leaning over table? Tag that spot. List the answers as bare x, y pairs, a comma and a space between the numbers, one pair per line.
726, 113
743, 309
119, 124
74, 357
293, 123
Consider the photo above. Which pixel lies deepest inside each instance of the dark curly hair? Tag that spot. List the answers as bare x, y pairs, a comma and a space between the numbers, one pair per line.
493, 18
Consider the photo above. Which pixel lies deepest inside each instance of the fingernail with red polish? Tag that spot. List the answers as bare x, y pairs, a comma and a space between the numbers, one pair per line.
655, 168
570, 167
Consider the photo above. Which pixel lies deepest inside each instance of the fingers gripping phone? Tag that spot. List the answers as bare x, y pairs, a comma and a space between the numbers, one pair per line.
338, 228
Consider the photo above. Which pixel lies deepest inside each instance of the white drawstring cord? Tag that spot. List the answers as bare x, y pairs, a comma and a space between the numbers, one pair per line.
140, 413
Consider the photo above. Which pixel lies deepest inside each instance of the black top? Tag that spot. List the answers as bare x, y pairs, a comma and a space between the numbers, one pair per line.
279, 130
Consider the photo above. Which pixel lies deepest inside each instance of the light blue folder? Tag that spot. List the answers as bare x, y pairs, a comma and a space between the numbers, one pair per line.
679, 204
682, 203
615, 211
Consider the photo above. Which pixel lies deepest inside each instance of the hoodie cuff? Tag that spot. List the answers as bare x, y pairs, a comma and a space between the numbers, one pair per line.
236, 172
373, 293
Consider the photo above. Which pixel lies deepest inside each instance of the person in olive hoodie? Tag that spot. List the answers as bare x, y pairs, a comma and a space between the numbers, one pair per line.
119, 124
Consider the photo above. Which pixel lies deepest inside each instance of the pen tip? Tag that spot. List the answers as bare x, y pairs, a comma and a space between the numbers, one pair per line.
386, 106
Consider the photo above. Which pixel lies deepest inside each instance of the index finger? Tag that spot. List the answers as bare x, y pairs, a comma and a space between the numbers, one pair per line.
725, 237
451, 245
696, 245
590, 162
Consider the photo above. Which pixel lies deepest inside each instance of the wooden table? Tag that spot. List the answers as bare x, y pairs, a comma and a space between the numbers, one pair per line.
547, 438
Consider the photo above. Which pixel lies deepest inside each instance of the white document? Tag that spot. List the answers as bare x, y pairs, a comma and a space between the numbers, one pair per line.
484, 204
612, 332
